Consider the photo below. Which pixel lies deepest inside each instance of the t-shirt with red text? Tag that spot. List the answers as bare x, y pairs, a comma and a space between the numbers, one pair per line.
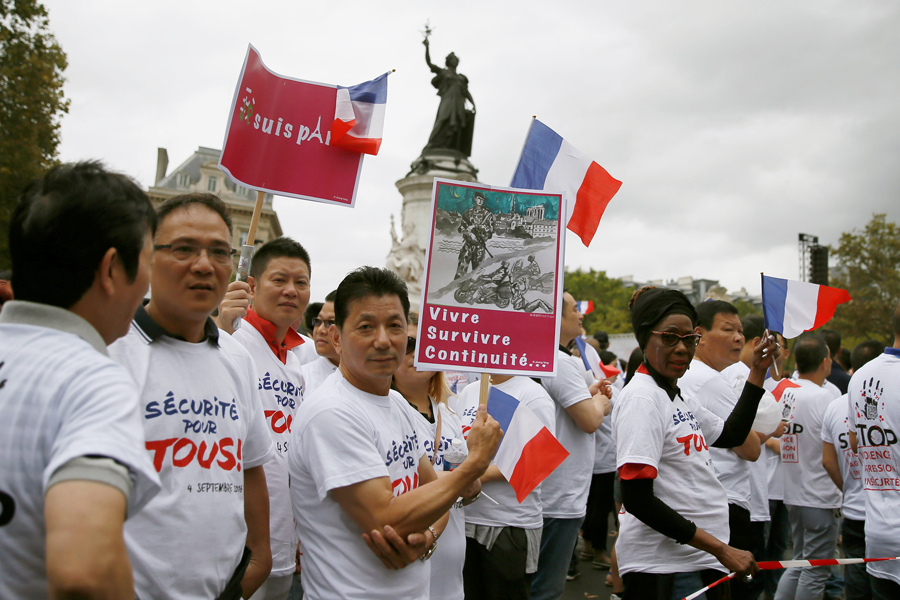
836, 431
203, 424
673, 436
342, 436
874, 393
281, 391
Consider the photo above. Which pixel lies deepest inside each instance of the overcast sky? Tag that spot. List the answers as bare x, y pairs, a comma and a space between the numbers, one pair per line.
733, 125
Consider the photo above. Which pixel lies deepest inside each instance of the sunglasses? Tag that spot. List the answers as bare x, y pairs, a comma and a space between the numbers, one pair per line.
670, 339
410, 344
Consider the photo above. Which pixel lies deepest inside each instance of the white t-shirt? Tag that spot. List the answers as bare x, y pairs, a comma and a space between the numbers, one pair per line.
343, 436
714, 392
281, 391
306, 351
874, 393
672, 436
204, 426
737, 375
508, 512
60, 399
773, 459
605, 443
806, 483
450, 554
564, 492
315, 372
836, 432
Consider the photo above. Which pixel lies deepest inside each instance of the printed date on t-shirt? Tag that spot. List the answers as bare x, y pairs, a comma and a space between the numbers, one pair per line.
221, 488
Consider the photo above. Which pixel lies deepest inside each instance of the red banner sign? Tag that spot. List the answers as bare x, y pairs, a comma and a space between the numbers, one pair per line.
492, 297
278, 138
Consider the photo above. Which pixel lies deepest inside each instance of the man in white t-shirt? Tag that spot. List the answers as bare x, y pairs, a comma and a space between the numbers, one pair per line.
809, 493
206, 535
579, 412
359, 474
74, 466
874, 417
722, 347
315, 372
279, 290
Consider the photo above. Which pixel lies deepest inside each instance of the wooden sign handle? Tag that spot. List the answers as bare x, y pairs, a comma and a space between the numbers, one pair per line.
485, 389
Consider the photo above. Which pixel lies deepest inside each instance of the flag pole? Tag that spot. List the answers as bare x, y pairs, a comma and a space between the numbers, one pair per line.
247, 249
485, 389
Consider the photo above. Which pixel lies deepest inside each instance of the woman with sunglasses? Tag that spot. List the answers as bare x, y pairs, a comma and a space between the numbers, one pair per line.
437, 426
674, 523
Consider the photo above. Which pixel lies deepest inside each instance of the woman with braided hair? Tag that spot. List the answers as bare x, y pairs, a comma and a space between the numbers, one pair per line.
674, 521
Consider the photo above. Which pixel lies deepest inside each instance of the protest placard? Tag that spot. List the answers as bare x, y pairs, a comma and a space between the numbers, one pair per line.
492, 297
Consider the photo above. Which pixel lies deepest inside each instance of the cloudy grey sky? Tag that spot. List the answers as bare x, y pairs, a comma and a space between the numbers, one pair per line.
733, 125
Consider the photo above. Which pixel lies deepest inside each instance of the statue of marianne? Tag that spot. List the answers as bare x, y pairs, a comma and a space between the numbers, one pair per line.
454, 124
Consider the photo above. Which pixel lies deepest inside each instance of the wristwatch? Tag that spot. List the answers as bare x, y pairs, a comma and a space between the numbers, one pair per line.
433, 547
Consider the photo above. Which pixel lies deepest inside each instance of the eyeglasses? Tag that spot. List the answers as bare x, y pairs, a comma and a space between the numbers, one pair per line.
186, 252
670, 339
410, 344
326, 323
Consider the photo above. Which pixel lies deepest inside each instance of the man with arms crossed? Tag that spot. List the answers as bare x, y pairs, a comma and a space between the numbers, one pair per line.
206, 535
874, 418
357, 466
579, 412
74, 465
279, 290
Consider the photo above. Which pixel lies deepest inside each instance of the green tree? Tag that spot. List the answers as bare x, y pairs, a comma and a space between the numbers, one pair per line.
868, 268
31, 103
610, 300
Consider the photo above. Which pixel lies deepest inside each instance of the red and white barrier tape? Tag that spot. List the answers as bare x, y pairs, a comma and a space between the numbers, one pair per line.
768, 565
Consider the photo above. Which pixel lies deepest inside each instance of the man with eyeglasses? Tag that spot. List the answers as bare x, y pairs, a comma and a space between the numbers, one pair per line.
279, 292
315, 372
206, 535
719, 347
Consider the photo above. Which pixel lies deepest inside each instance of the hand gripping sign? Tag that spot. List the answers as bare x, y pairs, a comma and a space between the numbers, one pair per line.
492, 294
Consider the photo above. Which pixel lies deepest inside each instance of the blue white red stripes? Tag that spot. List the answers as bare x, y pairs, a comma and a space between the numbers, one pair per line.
792, 307
548, 162
528, 452
359, 116
585, 307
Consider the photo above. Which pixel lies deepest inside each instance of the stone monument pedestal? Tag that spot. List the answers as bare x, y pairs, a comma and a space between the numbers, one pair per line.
407, 257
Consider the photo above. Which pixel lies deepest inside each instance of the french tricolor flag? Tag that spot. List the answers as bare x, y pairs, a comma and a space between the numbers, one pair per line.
528, 452
359, 116
550, 163
793, 307
585, 307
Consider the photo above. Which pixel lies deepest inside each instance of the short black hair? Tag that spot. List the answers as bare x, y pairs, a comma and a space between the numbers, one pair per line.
210, 201
608, 357
864, 352
833, 339
754, 326
707, 311
365, 282
312, 311
64, 224
331, 296
277, 248
809, 352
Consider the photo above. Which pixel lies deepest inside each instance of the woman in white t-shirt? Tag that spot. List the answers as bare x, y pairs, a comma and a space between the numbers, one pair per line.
437, 426
674, 522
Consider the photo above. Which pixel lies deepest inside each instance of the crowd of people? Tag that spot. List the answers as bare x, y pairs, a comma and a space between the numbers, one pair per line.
227, 439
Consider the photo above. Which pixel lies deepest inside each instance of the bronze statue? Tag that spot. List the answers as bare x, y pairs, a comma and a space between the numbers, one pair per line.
454, 124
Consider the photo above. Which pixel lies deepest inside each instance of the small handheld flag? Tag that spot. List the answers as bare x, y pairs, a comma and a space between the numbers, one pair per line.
792, 307
585, 307
528, 452
359, 116
548, 162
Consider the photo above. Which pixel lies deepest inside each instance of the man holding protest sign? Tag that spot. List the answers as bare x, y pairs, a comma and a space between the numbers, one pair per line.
279, 289
206, 535
359, 474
